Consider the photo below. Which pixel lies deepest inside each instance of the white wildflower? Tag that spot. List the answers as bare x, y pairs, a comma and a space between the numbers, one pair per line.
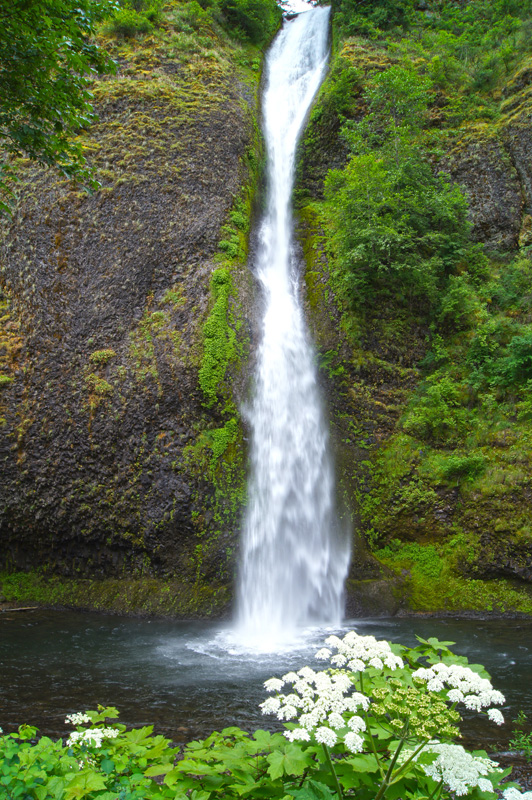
287, 712
324, 654
270, 706
457, 768
357, 665
354, 742
512, 793
466, 685
298, 735
473, 702
336, 721
357, 724
495, 715
359, 651
273, 684
455, 696
485, 785
92, 737
290, 677
326, 736
77, 719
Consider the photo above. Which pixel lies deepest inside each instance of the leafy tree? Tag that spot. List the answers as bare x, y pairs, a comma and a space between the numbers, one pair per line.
47, 62
398, 228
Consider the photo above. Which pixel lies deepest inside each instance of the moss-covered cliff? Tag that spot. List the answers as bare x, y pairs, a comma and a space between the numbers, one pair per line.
429, 393
124, 326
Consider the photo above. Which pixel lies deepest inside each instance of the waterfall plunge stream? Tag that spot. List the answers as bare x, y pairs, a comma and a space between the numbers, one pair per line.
295, 558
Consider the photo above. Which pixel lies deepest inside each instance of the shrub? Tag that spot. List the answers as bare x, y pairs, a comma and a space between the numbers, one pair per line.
255, 20
126, 23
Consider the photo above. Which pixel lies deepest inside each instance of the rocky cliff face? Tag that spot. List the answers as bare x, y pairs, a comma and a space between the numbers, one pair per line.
110, 439
452, 543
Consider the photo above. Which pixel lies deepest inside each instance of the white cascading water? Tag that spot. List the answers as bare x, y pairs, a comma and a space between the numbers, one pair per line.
294, 559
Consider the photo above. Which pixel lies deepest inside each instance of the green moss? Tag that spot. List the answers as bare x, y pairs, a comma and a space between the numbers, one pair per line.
101, 357
218, 338
120, 595
5, 380
432, 583
97, 385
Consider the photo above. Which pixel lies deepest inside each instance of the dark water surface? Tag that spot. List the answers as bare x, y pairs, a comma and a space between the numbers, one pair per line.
189, 678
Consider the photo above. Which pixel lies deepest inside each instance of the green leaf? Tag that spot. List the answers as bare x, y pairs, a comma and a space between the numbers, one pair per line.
158, 769
290, 761
312, 790
107, 765
364, 763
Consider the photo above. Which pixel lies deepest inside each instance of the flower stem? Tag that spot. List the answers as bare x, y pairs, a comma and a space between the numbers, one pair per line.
333, 771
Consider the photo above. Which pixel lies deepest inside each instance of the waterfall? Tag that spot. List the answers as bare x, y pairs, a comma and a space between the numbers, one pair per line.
294, 557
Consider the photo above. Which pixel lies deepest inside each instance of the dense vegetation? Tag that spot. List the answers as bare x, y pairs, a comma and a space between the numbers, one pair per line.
414, 89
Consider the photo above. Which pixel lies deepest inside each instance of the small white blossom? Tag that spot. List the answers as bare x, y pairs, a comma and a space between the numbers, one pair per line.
77, 719
455, 695
298, 735
354, 742
473, 702
270, 706
324, 654
92, 737
357, 724
336, 721
287, 712
495, 715
326, 736
512, 793
466, 685
359, 651
485, 785
457, 768
273, 685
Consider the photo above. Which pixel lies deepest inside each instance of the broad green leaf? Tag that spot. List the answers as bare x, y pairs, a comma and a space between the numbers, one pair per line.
291, 761
312, 790
158, 769
363, 762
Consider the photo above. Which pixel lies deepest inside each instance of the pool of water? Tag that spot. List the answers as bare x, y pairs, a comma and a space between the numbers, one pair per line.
189, 678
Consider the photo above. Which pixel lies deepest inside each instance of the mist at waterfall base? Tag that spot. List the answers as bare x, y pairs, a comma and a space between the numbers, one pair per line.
294, 557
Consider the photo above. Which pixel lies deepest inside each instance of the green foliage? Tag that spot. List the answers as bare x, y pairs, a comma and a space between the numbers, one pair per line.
219, 340
254, 20
424, 559
47, 59
5, 380
126, 23
369, 17
437, 412
398, 229
522, 739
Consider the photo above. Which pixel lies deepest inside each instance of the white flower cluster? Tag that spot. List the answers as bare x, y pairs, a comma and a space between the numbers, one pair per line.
467, 687
318, 700
358, 652
77, 719
514, 794
92, 737
457, 768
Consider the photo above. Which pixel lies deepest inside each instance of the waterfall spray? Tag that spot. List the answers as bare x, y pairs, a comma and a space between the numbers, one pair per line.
294, 558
